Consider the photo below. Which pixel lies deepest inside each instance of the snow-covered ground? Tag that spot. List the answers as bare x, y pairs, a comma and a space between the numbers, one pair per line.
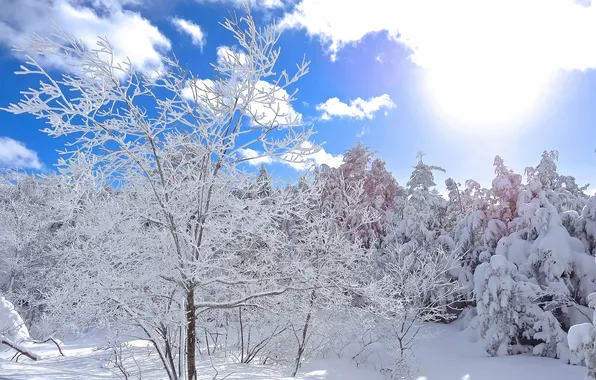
444, 354
448, 354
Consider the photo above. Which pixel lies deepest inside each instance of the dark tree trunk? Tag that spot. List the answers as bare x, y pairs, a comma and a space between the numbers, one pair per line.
302, 343
191, 334
18, 349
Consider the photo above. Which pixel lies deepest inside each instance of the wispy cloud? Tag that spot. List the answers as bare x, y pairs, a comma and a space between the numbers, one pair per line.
364, 131
14, 153
193, 30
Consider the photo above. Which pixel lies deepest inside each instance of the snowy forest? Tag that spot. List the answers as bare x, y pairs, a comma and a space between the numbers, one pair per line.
157, 236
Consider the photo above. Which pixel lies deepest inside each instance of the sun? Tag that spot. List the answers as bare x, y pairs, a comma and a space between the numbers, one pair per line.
487, 98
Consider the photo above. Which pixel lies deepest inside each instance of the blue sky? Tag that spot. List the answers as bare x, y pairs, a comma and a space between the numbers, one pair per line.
444, 77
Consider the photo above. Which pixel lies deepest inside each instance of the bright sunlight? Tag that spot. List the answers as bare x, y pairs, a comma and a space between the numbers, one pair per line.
494, 97
491, 64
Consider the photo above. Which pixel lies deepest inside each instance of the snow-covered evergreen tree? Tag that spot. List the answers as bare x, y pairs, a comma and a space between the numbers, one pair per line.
418, 219
562, 191
586, 226
417, 226
504, 193
361, 174
543, 249
506, 308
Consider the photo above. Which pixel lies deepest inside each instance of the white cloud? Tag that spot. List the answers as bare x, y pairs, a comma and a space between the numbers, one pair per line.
267, 4
279, 112
200, 88
254, 158
357, 109
196, 33
261, 109
324, 158
321, 157
15, 153
487, 61
299, 158
225, 55
544, 33
131, 35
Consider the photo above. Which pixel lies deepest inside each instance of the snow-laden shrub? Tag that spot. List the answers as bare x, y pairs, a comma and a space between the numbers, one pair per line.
548, 329
11, 323
505, 306
582, 341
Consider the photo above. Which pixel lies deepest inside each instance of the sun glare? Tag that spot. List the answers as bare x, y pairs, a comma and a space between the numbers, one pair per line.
484, 99
495, 68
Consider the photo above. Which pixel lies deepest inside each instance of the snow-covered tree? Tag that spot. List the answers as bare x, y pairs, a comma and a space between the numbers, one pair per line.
417, 227
585, 226
35, 214
172, 142
561, 191
553, 339
418, 217
505, 190
505, 303
544, 250
545, 255
327, 239
366, 176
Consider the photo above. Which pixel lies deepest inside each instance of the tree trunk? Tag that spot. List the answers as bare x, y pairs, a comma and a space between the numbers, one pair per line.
18, 348
191, 334
302, 343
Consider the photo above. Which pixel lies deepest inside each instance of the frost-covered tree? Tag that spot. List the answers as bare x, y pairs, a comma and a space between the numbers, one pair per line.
367, 177
486, 214
262, 187
35, 214
467, 221
418, 217
505, 190
172, 141
327, 239
408, 277
417, 227
561, 191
